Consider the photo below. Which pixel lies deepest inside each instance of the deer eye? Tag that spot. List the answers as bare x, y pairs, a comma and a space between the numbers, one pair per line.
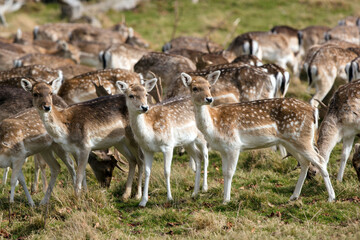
195, 89
35, 94
131, 96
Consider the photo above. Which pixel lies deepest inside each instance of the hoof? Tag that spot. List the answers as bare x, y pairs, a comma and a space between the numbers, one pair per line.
194, 195
205, 189
142, 203
138, 196
293, 198
225, 202
330, 199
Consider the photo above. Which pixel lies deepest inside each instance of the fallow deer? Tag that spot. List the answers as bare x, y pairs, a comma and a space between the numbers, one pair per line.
45, 59
231, 128
356, 160
292, 35
21, 136
327, 64
56, 31
162, 127
165, 67
89, 52
341, 122
94, 34
91, 125
122, 56
349, 21
80, 88
248, 59
344, 33
266, 46
33, 71
70, 71
310, 36
192, 43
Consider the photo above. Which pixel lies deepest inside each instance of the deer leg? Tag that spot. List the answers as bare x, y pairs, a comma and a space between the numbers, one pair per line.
69, 163
148, 159
82, 159
230, 160
34, 186
192, 164
23, 184
6, 172
322, 87
42, 164
304, 165
347, 146
194, 153
16, 169
282, 150
201, 145
132, 167
167, 170
55, 170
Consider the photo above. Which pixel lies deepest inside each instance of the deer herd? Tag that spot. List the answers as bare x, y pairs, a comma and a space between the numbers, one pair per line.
75, 91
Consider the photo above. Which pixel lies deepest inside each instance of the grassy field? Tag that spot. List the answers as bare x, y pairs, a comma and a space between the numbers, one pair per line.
263, 182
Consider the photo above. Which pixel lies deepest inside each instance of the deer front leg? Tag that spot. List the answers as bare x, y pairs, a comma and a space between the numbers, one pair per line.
23, 184
167, 170
6, 172
304, 165
69, 163
82, 159
205, 158
346, 149
229, 160
55, 170
148, 159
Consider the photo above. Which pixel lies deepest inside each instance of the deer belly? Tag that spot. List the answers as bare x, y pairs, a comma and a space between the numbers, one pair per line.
258, 137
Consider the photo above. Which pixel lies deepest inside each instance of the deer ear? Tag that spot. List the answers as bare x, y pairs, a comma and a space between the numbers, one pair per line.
122, 86
150, 84
186, 79
26, 84
213, 77
56, 84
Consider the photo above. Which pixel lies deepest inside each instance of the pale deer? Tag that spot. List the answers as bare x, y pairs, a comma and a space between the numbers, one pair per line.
349, 21
192, 43
80, 88
292, 35
38, 58
122, 56
327, 64
91, 125
344, 33
356, 160
231, 128
266, 46
341, 122
162, 127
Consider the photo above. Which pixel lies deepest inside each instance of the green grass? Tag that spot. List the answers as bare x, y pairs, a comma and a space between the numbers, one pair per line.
262, 184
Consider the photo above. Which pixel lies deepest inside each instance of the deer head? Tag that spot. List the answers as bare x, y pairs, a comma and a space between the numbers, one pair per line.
136, 95
200, 87
42, 93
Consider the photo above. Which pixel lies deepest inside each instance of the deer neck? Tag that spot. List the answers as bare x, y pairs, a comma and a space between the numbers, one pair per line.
140, 126
204, 119
329, 134
54, 124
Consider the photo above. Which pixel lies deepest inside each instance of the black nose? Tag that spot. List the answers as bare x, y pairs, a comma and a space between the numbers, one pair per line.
209, 99
47, 108
145, 108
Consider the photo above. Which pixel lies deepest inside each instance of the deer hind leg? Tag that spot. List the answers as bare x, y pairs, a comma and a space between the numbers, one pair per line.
55, 170
195, 154
322, 85
202, 146
347, 146
132, 167
69, 163
304, 166
23, 184
16, 169
148, 159
229, 162
168, 155
40, 165
6, 172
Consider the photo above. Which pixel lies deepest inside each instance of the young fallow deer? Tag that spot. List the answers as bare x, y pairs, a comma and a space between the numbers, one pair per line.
231, 128
24, 135
92, 125
341, 122
162, 127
